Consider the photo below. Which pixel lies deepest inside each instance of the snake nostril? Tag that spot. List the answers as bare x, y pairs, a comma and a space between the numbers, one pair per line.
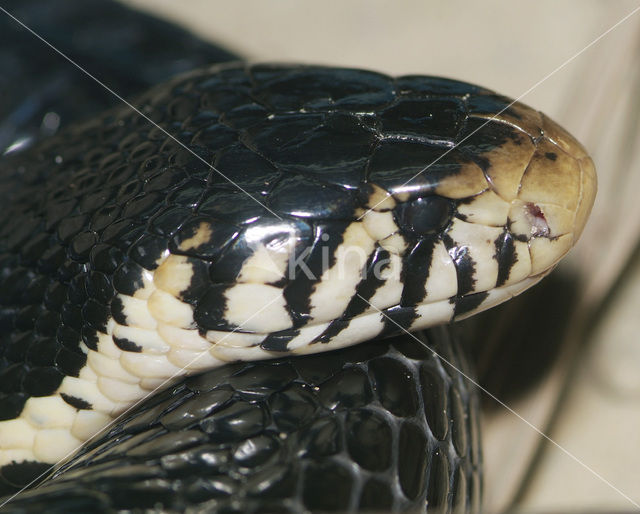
537, 220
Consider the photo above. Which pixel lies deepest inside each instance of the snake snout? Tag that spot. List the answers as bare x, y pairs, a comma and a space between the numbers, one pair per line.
555, 196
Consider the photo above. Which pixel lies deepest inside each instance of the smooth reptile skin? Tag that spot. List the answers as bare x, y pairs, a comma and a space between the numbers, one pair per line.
393, 428
106, 205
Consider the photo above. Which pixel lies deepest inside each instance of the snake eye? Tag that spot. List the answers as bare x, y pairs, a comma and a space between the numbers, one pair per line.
424, 216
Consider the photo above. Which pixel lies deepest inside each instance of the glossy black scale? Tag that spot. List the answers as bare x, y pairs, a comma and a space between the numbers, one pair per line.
381, 427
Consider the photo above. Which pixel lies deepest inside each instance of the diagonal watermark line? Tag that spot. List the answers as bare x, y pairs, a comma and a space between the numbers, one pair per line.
512, 411
59, 52
136, 403
567, 452
543, 79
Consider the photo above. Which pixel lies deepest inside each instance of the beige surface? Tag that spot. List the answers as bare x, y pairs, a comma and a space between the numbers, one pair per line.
497, 44
510, 47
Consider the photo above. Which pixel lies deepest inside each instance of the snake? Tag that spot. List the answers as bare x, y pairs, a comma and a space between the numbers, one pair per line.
269, 212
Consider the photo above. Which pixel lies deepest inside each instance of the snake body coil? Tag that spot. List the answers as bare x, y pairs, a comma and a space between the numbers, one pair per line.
298, 210
382, 427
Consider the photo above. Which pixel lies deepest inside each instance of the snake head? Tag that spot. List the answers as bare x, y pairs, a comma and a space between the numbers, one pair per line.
383, 204
500, 207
